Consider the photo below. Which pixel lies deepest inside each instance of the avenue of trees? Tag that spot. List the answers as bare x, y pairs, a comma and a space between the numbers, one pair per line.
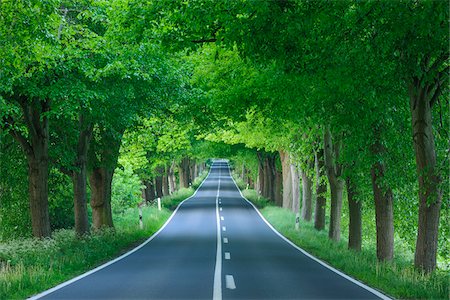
319, 104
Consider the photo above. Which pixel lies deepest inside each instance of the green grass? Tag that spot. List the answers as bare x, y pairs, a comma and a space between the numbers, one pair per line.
398, 279
30, 266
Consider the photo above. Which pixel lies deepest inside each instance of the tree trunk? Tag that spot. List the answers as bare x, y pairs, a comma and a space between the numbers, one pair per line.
306, 195
79, 178
149, 191
334, 172
384, 213
191, 171
165, 182
321, 190
35, 147
429, 177
355, 225
38, 193
172, 181
104, 159
295, 188
261, 176
278, 187
287, 180
159, 182
100, 181
268, 179
184, 172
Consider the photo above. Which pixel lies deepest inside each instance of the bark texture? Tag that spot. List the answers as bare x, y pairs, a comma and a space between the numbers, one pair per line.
287, 180
307, 185
172, 181
35, 147
149, 191
355, 225
321, 190
104, 156
334, 172
79, 178
384, 213
184, 172
100, 181
422, 100
295, 188
165, 182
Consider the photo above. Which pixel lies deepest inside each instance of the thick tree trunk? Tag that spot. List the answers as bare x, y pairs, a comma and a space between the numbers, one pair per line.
261, 176
278, 187
307, 185
430, 194
384, 213
355, 225
191, 171
165, 182
100, 181
287, 180
321, 190
35, 147
38, 193
104, 163
184, 172
80, 201
159, 186
337, 188
149, 191
79, 178
268, 179
172, 181
334, 172
295, 188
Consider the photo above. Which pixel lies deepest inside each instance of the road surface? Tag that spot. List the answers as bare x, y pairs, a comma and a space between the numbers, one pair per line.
215, 246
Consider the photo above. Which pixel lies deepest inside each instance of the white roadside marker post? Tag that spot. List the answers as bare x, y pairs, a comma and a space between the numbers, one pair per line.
297, 221
159, 203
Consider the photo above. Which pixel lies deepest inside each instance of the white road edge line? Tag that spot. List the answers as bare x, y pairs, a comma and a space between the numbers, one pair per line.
217, 290
229, 279
359, 283
66, 283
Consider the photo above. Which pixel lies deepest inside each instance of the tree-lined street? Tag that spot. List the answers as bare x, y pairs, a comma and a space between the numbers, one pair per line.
180, 261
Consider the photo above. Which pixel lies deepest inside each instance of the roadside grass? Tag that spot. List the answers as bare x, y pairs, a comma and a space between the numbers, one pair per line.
30, 266
397, 279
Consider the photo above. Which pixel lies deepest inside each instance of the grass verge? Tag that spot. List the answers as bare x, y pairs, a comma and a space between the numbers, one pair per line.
398, 279
30, 266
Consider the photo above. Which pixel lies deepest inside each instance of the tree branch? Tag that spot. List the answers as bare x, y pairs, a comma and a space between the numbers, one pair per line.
202, 41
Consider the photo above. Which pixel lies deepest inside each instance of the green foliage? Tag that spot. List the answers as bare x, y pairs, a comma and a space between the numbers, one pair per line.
14, 205
126, 189
60, 201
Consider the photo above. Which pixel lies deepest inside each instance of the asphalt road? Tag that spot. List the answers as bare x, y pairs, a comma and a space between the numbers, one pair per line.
216, 246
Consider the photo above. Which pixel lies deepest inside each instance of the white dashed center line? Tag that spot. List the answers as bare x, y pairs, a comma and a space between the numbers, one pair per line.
227, 255
229, 281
